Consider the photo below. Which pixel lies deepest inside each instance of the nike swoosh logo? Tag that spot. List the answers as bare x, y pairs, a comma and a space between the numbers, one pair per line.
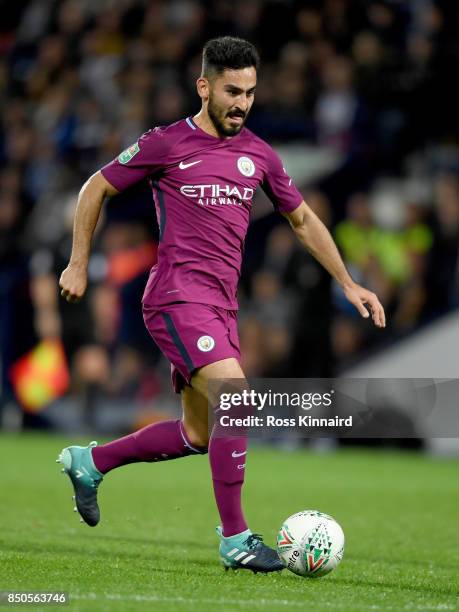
184, 166
235, 454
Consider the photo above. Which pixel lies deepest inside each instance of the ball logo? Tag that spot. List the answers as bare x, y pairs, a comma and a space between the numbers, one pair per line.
246, 166
206, 343
293, 558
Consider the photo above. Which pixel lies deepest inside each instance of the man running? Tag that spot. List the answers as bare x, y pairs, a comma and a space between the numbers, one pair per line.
203, 171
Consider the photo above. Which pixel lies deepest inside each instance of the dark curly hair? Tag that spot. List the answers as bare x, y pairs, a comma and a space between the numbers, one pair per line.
228, 52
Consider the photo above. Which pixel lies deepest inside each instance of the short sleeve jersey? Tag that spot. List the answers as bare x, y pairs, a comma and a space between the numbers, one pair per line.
203, 188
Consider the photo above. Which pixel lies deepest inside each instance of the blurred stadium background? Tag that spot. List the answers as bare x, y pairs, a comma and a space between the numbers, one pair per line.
359, 100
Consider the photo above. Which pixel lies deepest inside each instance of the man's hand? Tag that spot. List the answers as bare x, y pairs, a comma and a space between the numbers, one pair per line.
73, 283
359, 296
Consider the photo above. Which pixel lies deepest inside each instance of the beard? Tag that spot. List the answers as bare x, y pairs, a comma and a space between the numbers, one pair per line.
218, 116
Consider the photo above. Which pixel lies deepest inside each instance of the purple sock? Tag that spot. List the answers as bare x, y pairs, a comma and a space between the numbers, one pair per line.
227, 462
157, 442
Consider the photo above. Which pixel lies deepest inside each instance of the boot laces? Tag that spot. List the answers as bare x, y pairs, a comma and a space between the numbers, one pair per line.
253, 540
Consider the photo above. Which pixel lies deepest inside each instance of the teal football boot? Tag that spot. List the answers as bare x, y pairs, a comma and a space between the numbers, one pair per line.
85, 477
246, 550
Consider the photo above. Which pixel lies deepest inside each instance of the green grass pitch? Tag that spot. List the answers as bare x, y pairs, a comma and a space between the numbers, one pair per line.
156, 548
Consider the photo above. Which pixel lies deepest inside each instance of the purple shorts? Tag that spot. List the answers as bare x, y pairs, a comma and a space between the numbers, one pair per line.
191, 336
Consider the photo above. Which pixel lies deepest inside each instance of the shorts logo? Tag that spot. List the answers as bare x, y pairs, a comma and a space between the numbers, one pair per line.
246, 166
205, 343
128, 153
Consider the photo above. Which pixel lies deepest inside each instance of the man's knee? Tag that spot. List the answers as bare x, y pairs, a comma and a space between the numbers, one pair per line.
210, 380
195, 419
198, 438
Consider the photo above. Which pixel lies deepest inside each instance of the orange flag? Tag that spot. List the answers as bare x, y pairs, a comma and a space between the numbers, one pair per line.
40, 376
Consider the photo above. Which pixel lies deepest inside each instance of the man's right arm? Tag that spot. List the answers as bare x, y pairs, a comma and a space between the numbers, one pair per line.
73, 279
142, 159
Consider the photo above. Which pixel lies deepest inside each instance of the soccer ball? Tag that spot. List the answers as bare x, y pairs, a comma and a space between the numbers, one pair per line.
310, 543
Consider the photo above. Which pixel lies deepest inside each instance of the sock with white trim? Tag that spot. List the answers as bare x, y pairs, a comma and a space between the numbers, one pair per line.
157, 442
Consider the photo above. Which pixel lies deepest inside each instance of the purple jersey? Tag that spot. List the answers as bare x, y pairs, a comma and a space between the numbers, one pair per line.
203, 188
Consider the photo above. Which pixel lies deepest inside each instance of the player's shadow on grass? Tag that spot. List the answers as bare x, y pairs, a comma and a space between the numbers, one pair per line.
154, 558
59, 549
152, 542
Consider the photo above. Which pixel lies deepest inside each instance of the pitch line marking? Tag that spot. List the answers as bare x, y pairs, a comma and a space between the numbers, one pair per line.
241, 602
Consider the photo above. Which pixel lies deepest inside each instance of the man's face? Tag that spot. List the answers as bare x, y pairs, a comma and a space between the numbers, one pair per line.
230, 99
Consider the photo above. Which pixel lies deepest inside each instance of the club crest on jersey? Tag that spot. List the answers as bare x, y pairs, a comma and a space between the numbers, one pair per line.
246, 166
128, 153
205, 343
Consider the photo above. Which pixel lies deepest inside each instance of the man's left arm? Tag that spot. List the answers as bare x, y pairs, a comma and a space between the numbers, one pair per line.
316, 238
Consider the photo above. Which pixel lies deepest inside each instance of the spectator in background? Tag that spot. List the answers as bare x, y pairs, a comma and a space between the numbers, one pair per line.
386, 256
272, 305
16, 314
443, 274
337, 106
417, 241
390, 261
343, 125
311, 349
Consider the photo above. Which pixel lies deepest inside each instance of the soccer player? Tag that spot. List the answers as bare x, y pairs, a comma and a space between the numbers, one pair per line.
203, 171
